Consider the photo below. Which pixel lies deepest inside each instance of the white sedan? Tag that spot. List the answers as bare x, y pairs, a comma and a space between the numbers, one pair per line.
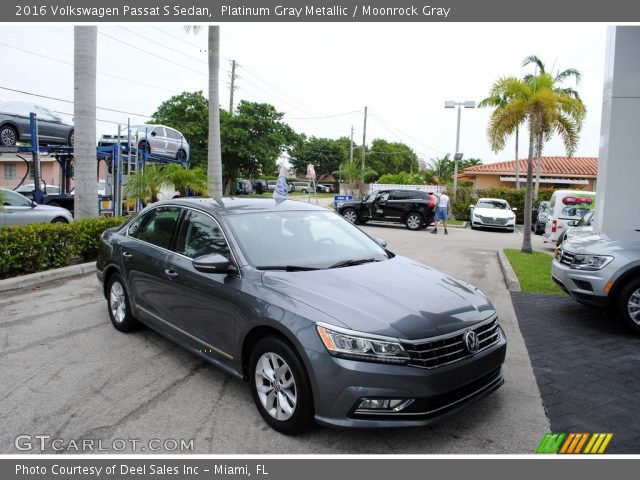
493, 213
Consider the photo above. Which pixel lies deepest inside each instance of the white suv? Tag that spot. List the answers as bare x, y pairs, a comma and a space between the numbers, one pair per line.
603, 270
156, 140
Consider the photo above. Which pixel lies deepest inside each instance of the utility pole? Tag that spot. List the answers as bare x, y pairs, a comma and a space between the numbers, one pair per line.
364, 140
233, 87
351, 148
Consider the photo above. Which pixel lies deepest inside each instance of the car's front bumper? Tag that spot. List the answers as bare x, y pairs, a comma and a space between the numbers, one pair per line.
479, 223
584, 286
340, 386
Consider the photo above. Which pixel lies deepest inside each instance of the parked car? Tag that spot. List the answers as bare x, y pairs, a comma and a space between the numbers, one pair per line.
493, 213
243, 187
156, 140
15, 125
259, 186
271, 185
259, 289
324, 188
19, 210
603, 271
564, 206
577, 228
28, 189
539, 218
414, 208
304, 187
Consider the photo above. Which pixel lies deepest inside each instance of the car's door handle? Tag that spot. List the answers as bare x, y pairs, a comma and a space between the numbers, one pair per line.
171, 273
126, 255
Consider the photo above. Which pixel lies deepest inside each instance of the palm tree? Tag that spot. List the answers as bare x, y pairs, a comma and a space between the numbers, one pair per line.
146, 184
84, 114
355, 176
557, 80
546, 110
214, 155
185, 179
442, 167
499, 102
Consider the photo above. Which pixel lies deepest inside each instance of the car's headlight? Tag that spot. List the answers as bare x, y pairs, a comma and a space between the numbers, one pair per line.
357, 346
590, 262
340, 204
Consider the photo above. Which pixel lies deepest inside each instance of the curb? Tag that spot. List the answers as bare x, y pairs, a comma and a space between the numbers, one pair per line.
510, 278
46, 276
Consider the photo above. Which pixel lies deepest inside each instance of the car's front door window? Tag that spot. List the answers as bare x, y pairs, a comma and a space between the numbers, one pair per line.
200, 235
156, 227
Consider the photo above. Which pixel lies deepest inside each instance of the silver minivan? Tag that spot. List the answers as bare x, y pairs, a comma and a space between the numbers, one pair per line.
156, 140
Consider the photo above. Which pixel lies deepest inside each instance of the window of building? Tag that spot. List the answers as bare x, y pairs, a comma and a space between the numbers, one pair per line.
9, 171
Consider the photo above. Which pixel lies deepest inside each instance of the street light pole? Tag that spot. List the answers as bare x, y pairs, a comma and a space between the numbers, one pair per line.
457, 155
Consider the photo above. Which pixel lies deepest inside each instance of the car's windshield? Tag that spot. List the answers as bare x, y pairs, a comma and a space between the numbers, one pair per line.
586, 220
313, 239
499, 204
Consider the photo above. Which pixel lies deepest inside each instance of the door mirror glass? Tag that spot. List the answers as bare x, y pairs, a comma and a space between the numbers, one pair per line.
572, 223
381, 242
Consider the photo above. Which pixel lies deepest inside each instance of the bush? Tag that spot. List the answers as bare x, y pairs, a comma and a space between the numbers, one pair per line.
43, 246
464, 198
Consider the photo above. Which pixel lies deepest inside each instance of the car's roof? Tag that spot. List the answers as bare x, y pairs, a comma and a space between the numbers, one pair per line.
236, 205
493, 199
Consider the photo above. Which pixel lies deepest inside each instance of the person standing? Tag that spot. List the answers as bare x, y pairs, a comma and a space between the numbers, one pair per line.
442, 211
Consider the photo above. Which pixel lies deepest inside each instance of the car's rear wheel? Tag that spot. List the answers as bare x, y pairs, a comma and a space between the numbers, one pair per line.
119, 305
628, 305
280, 386
72, 138
8, 136
144, 147
181, 156
413, 221
350, 215
59, 220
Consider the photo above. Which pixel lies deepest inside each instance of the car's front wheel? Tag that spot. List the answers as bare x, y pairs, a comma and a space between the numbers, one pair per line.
280, 386
413, 221
351, 215
628, 304
119, 305
8, 136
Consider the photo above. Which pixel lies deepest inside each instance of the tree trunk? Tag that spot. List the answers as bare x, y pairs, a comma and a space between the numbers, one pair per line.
538, 168
214, 157
84, 119
517, 160
526, 234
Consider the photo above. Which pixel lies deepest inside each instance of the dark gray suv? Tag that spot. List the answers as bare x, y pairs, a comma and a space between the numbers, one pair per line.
321, 320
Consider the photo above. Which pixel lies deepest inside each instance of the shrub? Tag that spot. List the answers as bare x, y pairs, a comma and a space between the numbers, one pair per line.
43, 246
464, 198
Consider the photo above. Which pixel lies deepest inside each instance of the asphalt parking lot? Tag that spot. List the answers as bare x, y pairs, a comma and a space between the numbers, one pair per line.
68, 374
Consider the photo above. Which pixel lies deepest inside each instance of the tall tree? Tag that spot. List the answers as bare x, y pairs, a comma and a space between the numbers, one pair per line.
85, 53
324, 153
558, 79
546, 110
391, 157
442, 168
214, 153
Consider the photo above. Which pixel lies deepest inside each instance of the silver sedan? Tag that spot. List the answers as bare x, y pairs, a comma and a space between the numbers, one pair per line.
17, 209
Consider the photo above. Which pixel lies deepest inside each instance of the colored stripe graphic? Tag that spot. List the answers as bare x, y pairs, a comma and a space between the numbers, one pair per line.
574, 443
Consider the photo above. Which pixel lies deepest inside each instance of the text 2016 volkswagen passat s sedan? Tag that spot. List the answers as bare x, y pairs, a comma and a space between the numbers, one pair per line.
321, 320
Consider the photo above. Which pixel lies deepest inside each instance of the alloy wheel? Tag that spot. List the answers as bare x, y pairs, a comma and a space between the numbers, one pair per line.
117, 302
350, 215
276, 386
633, 306
413, 222
8, 137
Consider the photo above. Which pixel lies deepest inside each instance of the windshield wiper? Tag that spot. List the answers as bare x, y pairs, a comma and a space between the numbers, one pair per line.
350, 263
287, 268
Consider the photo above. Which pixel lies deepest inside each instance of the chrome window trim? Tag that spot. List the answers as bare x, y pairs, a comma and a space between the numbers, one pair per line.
217, 350
233, 256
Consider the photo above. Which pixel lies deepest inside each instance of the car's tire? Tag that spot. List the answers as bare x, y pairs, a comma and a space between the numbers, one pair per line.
413, 221
181, 156
144, 146
119, 306
59, 220
8, 136
72, 138
350, 215
280, 386
627, 304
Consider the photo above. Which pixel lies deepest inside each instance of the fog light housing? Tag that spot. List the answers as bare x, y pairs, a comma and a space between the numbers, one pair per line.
383, 404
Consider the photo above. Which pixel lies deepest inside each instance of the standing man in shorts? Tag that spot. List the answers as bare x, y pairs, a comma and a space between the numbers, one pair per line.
442, 211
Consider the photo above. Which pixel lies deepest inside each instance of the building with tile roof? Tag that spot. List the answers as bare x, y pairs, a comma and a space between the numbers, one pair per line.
557, 172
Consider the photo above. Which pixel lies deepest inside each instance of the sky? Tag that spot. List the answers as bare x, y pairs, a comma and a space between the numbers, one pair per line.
320, 75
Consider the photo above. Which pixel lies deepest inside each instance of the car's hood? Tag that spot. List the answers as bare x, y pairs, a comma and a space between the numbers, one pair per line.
397, 297
50, 208
350, 203
574, 232
602, 244
493, 212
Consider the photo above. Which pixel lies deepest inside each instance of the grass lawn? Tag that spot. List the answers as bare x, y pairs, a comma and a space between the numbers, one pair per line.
533, 271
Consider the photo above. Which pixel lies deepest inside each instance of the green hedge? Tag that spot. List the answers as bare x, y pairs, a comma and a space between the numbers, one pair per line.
43, 246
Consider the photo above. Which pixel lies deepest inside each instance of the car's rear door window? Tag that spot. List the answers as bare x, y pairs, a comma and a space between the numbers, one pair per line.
156, 227
200, 235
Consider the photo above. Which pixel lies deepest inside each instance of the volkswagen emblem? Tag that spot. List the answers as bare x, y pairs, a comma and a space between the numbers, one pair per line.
471, 341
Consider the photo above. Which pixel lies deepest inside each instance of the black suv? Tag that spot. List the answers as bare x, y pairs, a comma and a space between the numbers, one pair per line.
414, 208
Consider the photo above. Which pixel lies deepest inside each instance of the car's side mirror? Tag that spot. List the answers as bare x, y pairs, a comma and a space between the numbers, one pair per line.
472, 206
153, 134
213, 263
6, 204
514, 209
572, 223
381, 242
33, 204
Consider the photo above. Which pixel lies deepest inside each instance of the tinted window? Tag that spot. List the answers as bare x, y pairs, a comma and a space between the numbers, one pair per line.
156, 227
15, 199
172, 134
200, 235
159, 131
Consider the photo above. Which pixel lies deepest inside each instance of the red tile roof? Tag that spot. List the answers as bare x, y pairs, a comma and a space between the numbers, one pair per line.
561, 166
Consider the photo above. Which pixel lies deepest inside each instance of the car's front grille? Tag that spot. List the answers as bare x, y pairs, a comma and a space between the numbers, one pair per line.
566, 258
493, 221
448, 349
